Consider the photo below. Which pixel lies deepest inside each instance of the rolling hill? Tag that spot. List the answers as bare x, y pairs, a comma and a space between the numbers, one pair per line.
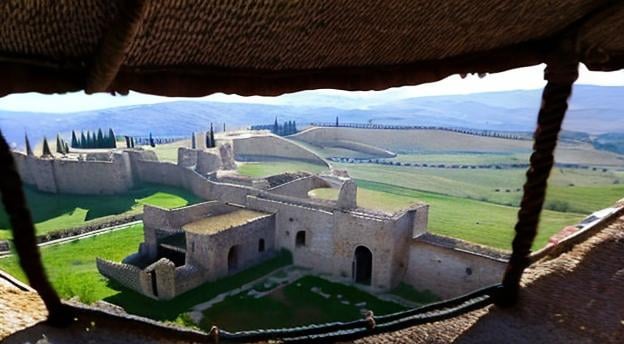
593, 109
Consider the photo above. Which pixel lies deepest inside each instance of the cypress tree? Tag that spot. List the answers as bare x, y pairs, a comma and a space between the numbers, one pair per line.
131, 141
127, 141
74, 141
83, 140
193, 143
336, 121
212, 139
151, 140
275, 126
28, 148
224, 127
46, 147
59, 144
99, 141
208, 143
294, 127
89, 140
66, 147
112, 138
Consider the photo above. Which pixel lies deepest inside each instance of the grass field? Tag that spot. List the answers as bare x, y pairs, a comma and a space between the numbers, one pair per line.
269, 168
476, 221
71, 267
573, 190
295, 305
73, 273
169, 151
52, 212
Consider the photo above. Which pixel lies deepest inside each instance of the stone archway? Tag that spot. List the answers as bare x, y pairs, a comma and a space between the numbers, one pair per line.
362, 265
233, 259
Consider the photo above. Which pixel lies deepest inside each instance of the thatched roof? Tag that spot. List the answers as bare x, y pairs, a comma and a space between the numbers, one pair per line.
193, 48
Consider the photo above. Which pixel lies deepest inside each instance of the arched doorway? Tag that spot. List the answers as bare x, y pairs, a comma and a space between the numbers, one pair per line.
362, 265
300, 239
233, 258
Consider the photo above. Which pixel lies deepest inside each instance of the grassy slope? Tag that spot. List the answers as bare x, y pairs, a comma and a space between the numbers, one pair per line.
59, 211
591, 190
264, 169
71, 267
480, 222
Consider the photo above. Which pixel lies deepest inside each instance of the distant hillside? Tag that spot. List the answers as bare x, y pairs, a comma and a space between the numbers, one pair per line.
594, 110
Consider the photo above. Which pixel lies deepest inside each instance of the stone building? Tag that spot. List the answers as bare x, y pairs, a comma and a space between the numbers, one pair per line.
186, 247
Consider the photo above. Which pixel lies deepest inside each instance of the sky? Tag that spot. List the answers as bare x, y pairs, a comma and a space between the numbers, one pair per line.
517, 79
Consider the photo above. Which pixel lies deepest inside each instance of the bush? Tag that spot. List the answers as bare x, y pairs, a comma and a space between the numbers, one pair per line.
558, 205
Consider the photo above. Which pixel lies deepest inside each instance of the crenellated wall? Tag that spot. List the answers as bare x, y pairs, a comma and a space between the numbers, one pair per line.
77, 176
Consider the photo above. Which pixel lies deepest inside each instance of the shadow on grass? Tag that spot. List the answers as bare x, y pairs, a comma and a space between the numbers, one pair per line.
46, 206
170, 310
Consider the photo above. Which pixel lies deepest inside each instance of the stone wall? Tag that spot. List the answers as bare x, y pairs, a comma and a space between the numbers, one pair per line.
128, 275
300, 187
450, 272
331, 237
211, 252
208, 161
187, 157
262, 147
159, 223
94, 177
77, 176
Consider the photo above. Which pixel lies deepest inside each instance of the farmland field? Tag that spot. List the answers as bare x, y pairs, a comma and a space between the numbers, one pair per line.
53, 212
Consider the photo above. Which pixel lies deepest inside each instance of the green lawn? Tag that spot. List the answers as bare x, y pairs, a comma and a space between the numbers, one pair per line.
476, 221
73, 273
295, 305
53, 212
71, 267
409, 293
269, 168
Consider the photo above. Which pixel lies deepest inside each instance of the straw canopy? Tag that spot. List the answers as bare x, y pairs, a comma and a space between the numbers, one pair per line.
194, 48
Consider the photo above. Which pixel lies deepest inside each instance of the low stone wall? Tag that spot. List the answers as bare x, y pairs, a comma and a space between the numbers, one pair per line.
450, 272
127, 275
300, 187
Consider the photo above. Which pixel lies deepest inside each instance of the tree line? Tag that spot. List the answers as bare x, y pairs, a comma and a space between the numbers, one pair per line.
284, 129
468, 131
91, 139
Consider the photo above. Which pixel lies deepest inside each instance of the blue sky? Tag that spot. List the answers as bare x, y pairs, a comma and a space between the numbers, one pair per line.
522, 78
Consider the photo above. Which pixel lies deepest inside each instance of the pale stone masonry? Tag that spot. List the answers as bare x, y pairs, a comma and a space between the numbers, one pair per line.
248, 220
